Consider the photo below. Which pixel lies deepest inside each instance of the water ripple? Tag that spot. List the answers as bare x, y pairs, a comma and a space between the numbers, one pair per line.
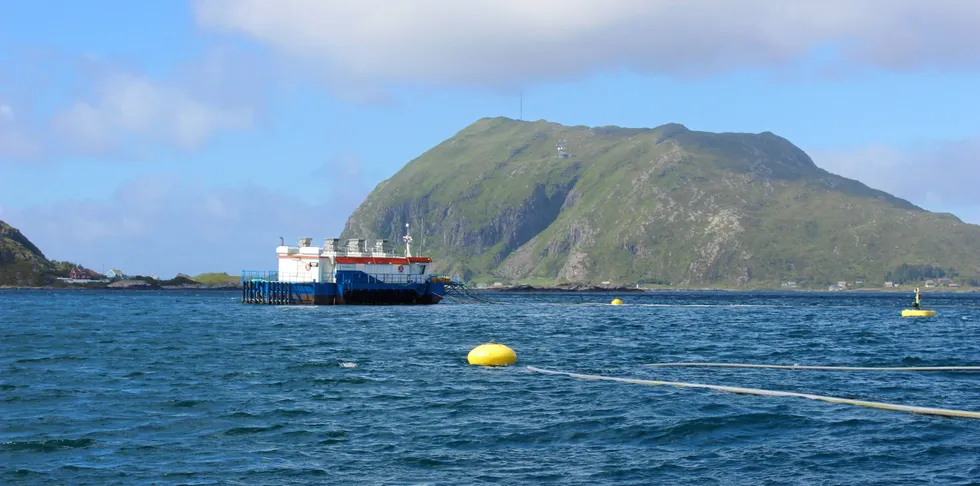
196, 388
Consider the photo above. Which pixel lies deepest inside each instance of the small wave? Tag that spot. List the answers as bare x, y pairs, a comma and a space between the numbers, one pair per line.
348, 364
22, 473
312, 364
240, 414
342, 381
333, 437
292, 412
279, 472
51, 358
186, 403
251, 430
180, 474
45, 445
731, 425
5, 387
236, 374
422, 461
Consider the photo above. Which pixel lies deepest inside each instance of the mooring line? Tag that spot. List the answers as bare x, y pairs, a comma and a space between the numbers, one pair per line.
772, 393
810, 367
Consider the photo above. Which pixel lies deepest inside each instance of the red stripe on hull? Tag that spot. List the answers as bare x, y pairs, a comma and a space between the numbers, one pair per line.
384, 261
379, 261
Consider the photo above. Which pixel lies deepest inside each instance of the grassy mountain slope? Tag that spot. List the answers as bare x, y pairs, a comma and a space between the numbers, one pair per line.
21, 263
651, 205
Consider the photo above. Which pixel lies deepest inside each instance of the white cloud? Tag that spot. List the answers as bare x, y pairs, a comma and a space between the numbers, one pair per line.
16, 143
495, 43
164, 225
112, 111
940, 176
128, 105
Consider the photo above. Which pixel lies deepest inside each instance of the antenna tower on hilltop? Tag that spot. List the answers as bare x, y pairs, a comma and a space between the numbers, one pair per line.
561, 149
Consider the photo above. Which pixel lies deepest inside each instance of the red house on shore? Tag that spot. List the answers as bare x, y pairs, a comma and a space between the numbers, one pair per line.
82, 273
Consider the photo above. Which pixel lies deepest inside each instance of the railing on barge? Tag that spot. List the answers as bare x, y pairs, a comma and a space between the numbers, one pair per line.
264, 287
258, 290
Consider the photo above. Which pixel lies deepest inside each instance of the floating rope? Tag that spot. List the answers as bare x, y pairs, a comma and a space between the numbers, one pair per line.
771, 393
835, 368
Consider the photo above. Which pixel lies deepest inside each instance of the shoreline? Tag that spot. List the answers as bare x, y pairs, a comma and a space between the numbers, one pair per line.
83, 289
570, 288
129, 285
600, 289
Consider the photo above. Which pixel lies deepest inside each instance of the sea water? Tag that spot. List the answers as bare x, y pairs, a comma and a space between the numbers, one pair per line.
141, 387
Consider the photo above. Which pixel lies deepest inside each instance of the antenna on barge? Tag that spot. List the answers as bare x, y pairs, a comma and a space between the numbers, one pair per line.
408, 242
422, 242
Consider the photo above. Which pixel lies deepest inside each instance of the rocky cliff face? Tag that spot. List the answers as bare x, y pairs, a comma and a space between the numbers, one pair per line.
499, 201
21, 263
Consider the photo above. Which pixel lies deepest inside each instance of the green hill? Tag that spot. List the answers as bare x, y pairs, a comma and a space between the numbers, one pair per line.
215, 278
668, 204
21, 263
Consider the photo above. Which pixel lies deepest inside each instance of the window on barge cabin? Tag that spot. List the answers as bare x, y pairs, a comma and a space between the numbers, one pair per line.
421, 268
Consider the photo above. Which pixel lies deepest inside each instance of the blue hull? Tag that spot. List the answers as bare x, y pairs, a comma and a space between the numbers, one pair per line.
351, 288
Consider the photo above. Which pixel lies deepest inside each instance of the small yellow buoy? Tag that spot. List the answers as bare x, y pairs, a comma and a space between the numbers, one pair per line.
616, 302
491, 354
918, 313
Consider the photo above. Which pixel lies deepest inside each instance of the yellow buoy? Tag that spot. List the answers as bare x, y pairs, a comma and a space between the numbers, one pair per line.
492, 354
616, 302
918, 313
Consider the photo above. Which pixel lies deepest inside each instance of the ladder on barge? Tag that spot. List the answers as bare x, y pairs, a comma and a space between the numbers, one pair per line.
459, 293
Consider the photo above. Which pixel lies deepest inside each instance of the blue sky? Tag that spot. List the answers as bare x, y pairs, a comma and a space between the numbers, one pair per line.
187, 136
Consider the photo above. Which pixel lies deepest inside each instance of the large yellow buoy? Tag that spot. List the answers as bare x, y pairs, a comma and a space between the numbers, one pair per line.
918, 313
616, 302
492, 354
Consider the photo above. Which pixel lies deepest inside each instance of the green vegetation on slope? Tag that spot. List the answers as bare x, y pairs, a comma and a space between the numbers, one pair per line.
21, 263
213, 278
657, 205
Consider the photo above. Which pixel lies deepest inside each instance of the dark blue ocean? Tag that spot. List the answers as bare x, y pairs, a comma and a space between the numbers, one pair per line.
134, 387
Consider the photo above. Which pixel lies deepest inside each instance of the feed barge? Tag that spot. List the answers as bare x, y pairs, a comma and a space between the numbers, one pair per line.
353, 273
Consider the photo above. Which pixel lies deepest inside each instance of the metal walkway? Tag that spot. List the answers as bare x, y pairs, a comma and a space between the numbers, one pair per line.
460, 294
